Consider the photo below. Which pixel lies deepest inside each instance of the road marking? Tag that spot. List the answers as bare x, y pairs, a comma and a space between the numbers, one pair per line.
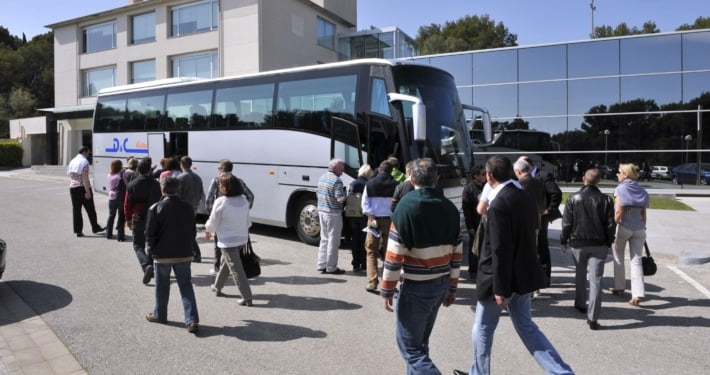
692, 282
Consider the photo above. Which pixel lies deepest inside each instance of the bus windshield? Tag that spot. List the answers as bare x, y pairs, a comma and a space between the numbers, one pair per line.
448, 141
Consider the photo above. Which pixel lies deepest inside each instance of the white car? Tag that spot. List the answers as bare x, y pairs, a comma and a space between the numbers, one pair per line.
660, 172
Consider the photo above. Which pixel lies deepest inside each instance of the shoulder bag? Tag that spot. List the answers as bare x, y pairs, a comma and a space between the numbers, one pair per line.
647, 262
250, 261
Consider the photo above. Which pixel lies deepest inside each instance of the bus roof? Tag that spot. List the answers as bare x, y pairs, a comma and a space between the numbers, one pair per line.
189, 80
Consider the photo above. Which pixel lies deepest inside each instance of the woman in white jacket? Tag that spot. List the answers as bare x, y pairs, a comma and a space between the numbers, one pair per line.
229, 219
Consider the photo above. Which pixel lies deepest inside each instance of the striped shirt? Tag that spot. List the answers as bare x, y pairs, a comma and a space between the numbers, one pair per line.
331, 193
434, 252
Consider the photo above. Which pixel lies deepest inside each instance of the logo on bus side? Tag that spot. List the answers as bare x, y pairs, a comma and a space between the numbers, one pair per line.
141, 148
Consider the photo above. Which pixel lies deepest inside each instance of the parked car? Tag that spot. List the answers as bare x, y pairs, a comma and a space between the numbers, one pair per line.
661, 172
686, 173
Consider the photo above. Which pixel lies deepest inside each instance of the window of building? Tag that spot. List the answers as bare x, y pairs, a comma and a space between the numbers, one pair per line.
593, 59
99, 37
326, 33
696, 51
194, 17
204, 65
542, 63
495, 67
143, 28
654, 54
142, 71
93, 80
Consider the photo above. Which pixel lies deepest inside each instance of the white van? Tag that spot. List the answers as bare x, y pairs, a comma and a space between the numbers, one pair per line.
660, 172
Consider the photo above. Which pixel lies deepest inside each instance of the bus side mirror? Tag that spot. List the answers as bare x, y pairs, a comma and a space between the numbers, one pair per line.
418, 114
485, 119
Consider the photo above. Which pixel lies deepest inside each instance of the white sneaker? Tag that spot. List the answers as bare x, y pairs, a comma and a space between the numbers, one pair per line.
535, 295
213, 271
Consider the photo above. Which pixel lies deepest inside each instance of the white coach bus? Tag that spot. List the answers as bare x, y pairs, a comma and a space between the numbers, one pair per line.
280, 128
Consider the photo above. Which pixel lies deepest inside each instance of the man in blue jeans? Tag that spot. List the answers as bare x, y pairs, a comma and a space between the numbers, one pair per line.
424, 250
170, 231
509, 271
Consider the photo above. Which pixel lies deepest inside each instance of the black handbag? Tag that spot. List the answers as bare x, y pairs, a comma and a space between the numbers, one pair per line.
647, 262
250, 261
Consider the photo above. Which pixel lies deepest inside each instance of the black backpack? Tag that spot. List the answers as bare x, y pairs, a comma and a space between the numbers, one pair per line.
121, 188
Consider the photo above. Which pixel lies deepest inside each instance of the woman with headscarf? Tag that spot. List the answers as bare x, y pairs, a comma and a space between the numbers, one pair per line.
631, 202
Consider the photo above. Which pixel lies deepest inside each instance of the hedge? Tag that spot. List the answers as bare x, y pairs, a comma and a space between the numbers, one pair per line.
10, 154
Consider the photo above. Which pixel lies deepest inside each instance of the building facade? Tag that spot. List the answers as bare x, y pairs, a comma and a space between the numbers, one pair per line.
157, 39
602, 101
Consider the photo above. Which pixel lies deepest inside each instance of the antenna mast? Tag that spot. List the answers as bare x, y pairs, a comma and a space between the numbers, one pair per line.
593, 8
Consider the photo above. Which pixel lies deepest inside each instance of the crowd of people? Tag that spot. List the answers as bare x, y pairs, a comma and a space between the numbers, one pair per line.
406, 236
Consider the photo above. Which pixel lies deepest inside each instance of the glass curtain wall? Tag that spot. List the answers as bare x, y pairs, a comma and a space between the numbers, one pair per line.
603, 102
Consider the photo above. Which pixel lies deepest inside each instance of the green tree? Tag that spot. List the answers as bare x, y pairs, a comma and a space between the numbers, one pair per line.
468, 33
649, 27
700, 23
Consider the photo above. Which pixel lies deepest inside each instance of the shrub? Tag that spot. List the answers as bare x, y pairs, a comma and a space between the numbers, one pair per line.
10, 154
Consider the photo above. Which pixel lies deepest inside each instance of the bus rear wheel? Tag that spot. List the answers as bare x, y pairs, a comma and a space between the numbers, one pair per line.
307, 223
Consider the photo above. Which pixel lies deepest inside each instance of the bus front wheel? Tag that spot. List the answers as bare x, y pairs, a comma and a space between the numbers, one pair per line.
308, 225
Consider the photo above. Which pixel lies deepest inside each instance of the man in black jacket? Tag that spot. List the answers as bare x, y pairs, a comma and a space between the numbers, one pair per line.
170, 231
508, 272
141, 193
553, 198
588, 229
469, 201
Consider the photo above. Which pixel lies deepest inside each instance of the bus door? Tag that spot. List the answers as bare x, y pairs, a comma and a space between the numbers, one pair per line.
383, 140
177, 145
345, 144
156, 147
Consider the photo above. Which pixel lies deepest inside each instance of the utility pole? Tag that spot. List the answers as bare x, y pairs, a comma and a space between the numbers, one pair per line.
593, 8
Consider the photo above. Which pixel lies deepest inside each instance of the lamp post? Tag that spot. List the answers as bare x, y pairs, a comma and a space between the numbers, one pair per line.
606, 143
687, 138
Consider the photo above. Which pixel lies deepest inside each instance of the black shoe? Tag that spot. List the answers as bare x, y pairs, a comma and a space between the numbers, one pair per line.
321, 270
147, 275
593, 325
193, 327
80, 234
98, 230
616, 292
372, 290
121, 239
581, 309
109, 236
337, 271
459, 372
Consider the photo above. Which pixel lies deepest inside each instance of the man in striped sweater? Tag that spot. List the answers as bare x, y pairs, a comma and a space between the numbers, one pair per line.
331, 198
424, 251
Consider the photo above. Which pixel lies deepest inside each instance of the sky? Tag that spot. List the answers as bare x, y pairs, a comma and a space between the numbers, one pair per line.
534, 21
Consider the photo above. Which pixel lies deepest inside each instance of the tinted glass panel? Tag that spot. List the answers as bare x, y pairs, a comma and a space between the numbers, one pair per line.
696, 51
143, 28
309, 104
584, 94
500, 100
542, 63
110, 115
99, 37
653, 54
460, 66
378, 101
189, 110
495, 67
662, 89
144, 111
542, 99
243, 107
694, 85
142, 71
593, 59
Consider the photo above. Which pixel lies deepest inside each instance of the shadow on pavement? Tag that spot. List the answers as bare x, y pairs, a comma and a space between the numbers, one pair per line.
261, 331
30, 299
